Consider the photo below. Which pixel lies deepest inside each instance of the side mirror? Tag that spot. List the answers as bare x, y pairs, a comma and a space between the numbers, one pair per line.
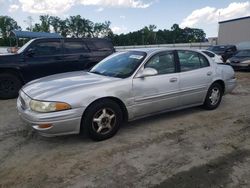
147, 72
30, 52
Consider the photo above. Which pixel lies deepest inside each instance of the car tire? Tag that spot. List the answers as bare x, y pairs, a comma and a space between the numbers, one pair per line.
10, 85
214, 96
102, 120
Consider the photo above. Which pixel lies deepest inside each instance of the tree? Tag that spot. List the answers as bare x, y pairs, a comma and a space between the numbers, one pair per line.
148, 35
29, 21
55, 23
45, 23
6, 25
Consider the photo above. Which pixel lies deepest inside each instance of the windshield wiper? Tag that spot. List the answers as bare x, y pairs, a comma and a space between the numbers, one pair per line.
96, 72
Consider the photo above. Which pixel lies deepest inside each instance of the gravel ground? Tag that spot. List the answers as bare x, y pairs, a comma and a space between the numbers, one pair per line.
187, 148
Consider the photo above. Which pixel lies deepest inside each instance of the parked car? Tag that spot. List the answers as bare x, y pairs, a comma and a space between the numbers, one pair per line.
47, 56
124, 86
241, 60
225, 51
216, 58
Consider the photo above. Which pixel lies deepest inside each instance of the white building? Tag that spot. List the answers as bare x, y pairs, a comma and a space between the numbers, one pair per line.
234, 31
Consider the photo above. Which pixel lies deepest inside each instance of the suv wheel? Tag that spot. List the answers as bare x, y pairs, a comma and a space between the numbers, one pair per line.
9, 86
102, 119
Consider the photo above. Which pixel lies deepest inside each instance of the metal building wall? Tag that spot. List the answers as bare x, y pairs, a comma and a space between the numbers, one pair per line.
234, 31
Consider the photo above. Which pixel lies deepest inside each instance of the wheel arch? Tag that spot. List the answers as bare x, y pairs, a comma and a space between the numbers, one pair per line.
222, 83
13, 71
116, 100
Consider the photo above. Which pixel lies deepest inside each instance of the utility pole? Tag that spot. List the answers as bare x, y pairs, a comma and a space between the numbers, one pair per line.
142, 37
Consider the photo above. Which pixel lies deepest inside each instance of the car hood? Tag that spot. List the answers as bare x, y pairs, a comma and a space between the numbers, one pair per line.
4, 58
61, 84
239, 59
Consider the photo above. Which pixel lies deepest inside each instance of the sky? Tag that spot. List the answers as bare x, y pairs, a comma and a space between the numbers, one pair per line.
132, 15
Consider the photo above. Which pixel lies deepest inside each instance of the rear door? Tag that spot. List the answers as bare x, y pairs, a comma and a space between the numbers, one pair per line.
100, 48
46, 58
76, 55
195, 77
160, 92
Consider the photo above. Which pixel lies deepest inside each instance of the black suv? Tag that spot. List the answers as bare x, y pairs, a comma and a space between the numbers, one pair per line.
225, 51
46, 56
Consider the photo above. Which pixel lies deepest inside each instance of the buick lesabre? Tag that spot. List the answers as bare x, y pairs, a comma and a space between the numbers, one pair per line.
123, 87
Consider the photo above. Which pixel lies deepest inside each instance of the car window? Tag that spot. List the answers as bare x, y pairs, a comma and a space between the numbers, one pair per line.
100, 45
208, 53
74, 47
163, 63
190, 60
47, 48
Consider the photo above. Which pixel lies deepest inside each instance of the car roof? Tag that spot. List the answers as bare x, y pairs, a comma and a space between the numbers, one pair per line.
76, 39
155, 50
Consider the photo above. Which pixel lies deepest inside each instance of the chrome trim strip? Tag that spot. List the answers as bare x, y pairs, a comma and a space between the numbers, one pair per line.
169, 94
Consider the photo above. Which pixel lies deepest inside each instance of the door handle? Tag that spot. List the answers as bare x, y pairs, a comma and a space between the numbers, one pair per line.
173, 79
209, 73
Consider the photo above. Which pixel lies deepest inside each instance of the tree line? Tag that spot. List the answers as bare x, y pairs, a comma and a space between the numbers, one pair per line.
78, 27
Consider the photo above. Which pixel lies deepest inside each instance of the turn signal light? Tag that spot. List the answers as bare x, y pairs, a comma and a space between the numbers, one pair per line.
62, 106
44, 126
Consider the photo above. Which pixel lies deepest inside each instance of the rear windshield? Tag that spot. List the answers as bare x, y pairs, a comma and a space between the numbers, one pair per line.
217, 48
208, 53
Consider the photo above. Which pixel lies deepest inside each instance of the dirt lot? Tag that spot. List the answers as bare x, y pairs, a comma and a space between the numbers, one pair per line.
188, 148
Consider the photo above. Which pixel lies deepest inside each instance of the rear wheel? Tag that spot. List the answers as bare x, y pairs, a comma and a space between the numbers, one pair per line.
102, 119
9, 86
213, 97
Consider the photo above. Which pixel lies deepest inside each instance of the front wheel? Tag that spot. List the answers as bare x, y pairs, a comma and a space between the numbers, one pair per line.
102, 119
213, 97
9, 86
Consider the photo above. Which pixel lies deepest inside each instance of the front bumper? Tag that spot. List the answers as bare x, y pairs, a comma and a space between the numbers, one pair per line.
62, 122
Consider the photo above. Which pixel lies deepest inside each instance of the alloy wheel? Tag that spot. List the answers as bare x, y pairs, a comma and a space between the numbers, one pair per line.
104, 121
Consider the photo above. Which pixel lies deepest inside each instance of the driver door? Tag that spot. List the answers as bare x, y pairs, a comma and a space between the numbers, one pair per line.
159, 92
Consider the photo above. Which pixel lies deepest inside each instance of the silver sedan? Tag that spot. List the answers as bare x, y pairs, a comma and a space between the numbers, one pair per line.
123, 87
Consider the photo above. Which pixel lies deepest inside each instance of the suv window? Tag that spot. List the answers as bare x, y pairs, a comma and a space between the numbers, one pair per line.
164, 63
47, 48
74, 47
99, 45
190, 60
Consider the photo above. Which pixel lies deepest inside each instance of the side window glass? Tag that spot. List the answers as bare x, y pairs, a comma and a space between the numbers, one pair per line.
96, 45
203, 61
74, 47
163, 63
47, 48
190, 60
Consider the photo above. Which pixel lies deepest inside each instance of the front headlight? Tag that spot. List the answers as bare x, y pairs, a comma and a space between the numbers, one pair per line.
228, 61
42, 106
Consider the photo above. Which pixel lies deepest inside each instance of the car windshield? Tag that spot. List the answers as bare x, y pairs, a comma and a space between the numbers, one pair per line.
120, 65
243, 53
24, 46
